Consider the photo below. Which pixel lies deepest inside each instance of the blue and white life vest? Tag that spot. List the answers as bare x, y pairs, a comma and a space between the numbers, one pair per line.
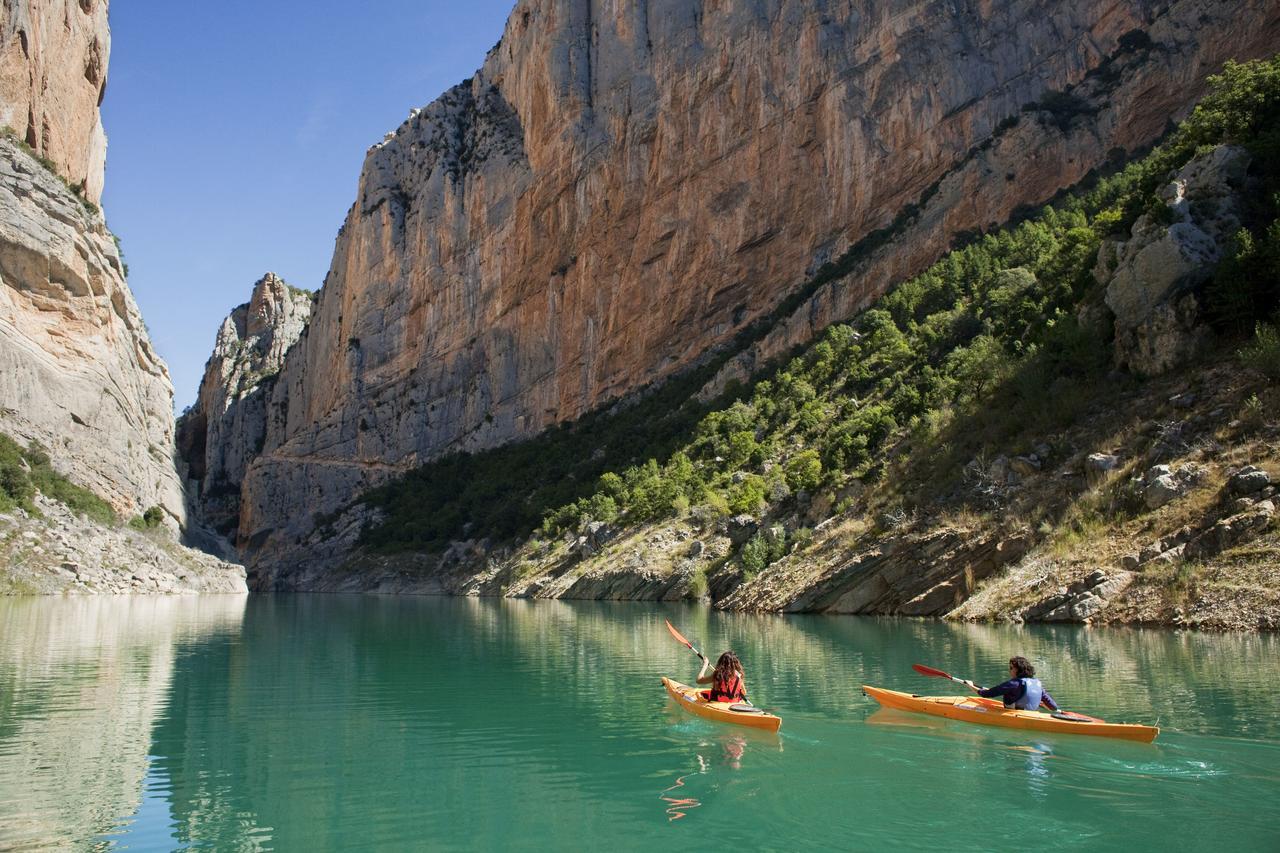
1032, 693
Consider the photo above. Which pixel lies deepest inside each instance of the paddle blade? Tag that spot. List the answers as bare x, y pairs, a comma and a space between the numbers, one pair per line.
928, 670
678, 635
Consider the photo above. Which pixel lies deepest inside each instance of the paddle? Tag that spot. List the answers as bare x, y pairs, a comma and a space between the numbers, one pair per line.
937, 673
1060, 714
681, 638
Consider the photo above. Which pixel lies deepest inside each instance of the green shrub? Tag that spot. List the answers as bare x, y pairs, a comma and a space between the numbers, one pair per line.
698, 582
754, 556
23, 472
1263, 353
149, 520
804, 471
748, 495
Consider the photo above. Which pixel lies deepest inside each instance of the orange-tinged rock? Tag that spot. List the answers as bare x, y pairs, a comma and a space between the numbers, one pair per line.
620, 189
53, 75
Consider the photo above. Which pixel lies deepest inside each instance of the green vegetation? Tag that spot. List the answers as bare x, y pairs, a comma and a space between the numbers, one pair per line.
762, 550
149, 520
49, 166
23, 472
1263, 353
983, 350
507, 492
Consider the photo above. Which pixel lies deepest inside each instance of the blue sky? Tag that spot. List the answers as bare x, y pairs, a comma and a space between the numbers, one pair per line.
236, 133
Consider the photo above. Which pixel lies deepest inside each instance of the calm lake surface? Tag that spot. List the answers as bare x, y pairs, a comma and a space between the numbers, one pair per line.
341, 723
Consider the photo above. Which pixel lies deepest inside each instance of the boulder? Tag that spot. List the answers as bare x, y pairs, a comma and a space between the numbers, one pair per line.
1160, 491
1248, 480
598, 533
1169, 336
1025, 466
740, 528
1098, 465
1229, 532
1155, 264
1161, 484
1081, 601
1001, 471
1152, 278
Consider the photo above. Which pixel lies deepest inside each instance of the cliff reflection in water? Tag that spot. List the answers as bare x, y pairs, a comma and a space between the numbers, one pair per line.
82, 682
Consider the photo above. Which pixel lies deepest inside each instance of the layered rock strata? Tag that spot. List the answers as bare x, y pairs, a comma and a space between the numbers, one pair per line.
53, 75
619, 190
77, 370
227, 426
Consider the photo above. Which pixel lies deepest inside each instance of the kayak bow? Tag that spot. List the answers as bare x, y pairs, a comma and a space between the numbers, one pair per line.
739, 714
992, 712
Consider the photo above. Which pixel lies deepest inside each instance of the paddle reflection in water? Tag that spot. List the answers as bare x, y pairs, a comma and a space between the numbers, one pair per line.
677, 803
727, 750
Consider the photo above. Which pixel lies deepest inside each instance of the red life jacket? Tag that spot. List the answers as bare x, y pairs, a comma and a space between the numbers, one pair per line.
731, 692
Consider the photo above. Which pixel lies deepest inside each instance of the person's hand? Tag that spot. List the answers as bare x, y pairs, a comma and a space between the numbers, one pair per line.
971, 685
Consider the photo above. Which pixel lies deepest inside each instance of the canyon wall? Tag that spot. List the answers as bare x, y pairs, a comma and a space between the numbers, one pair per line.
77, 370
227, 426
623, 187
53, 75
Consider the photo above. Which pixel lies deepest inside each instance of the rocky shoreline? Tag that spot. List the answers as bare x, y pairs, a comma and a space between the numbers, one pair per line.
60, 552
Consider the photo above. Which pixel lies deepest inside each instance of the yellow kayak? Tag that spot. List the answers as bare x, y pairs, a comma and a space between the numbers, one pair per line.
740, 714
991, 712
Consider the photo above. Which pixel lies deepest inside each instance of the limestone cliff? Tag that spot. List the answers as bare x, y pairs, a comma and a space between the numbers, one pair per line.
621, 188
77, 370
53, 75
226, 427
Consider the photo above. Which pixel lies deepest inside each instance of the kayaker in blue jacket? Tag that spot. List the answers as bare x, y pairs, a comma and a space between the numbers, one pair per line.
1022, 691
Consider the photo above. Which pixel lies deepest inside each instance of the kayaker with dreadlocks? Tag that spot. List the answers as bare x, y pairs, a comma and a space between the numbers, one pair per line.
725, 680
1022, 691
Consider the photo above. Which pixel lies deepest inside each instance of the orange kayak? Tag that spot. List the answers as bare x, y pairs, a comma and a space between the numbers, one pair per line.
991, 712
692, 700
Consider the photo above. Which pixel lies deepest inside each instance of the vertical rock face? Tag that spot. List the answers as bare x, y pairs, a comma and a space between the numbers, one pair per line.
622, 187
53, 74
227, 426
77, 371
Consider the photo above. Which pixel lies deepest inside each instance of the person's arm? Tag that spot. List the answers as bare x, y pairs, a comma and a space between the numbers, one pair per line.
1006, 691
1046, 699
703, 678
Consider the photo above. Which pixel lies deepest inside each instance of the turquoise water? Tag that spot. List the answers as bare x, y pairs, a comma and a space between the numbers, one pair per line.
342, 723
